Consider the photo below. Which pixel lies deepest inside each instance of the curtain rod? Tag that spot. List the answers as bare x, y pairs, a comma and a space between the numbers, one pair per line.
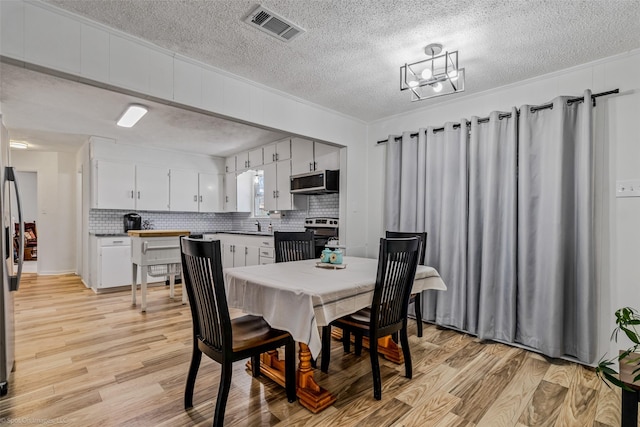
504, 115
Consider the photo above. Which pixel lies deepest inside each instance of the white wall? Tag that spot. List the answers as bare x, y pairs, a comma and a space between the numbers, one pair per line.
28, 185
616, 126
56, 215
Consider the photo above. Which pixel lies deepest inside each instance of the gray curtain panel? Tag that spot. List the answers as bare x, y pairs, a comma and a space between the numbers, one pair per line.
556, 255
491, 271
445, 219
510, 212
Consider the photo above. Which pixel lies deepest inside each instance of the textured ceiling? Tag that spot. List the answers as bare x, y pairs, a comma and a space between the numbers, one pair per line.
59, 115
347, 60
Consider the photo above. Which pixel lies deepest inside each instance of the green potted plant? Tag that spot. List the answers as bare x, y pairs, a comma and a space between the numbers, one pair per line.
627, 321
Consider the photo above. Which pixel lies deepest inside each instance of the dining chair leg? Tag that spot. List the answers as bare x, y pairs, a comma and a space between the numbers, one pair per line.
326, 349
418, 308
346, 340
358, 344
290, 370
196, 356
223, 393
255, 365
375, 369
404, 340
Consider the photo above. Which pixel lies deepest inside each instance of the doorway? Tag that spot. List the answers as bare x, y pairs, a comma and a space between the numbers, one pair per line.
28, 186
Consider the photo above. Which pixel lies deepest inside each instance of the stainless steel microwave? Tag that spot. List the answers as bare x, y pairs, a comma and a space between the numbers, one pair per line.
318, 182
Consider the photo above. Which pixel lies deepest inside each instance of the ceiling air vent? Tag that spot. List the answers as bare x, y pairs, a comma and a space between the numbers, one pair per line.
273, 24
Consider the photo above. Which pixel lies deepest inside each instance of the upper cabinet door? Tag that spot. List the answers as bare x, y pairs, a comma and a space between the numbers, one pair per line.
210, 194
230, 192
183, 191
301, 156
269, 153
270, 187
128, 62
152, 188
326, 156
283, 149
255, 158
51, 39
242, 161
230, 164
114, 185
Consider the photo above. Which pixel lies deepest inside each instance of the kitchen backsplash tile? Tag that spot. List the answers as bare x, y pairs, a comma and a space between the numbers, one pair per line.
110, 221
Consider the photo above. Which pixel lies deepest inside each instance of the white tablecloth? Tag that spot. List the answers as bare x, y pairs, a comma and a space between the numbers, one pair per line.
298, 297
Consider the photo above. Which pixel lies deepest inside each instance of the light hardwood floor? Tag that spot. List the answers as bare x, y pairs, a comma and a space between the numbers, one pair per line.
94, 360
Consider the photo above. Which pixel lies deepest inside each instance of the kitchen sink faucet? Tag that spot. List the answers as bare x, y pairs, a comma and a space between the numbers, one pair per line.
259, 226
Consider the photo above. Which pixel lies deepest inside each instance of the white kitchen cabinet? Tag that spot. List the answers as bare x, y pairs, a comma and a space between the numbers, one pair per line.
249, 159
128, 64
94, 53
194, 192
308, 156
301, 156
237, 191
255, 158
187, 83
277, 194
325, 156
244, 191
183, 191
152, 188
240, 250
230, 192
51, 39
230, 164
111, 263
113, 185
280, 150
209, 193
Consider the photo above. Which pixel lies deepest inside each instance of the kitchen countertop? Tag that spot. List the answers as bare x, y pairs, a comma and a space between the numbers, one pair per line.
158, 233
109, 234
249, 233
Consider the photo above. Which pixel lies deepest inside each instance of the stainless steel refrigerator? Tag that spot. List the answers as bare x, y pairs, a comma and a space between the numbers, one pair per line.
10, 281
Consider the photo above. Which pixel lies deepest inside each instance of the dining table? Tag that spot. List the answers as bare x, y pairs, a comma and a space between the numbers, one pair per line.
300, 297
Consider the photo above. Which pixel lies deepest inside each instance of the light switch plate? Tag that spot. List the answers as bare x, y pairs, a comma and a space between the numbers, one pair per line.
628, 188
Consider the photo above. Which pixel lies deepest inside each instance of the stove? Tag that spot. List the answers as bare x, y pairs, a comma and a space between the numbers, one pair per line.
324, 229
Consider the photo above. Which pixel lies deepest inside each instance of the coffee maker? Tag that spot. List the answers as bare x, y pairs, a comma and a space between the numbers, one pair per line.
132, 221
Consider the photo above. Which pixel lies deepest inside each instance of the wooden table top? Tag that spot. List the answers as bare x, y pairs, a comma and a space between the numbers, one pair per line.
158, 233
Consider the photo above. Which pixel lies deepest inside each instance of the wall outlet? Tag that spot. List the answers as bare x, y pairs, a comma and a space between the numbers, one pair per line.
628, 188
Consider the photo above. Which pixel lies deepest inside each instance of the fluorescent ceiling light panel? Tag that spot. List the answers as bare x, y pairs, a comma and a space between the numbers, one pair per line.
21, 145
132, 115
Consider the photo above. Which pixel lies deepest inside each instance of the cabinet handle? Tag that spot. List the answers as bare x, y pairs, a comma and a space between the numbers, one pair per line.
265, 243
274, 194
138, 195
273, 157
277, 156
246, 251
118, 241
132, 194
195, 198
310, 166
226, 199
200, 199
315, 165
226, 168
277, 194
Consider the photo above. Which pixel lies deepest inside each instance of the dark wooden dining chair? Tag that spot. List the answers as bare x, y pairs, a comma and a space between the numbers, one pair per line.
215, 334
387, 315
293, 245
414, 298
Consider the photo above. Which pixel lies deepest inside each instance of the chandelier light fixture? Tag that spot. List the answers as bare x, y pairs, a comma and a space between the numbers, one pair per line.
436, 76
